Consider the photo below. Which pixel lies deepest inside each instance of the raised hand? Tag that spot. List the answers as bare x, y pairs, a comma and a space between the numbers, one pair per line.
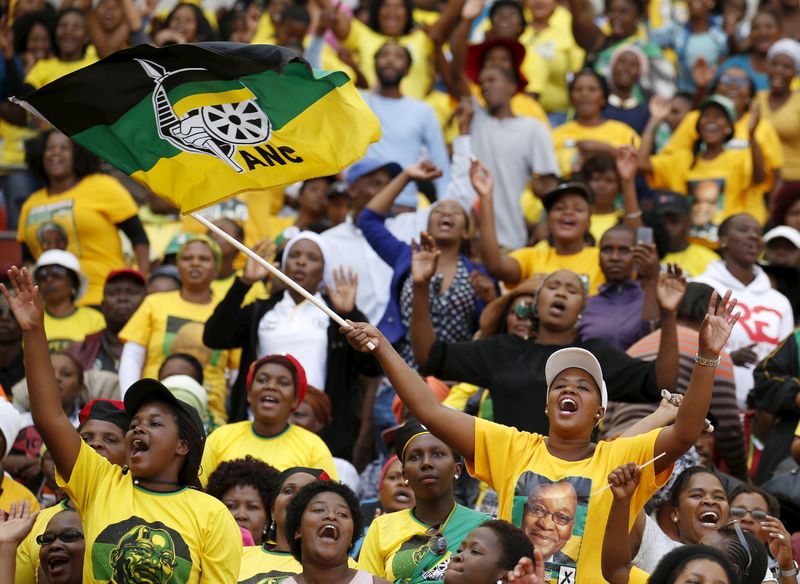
361, 334
343, 295
424, 259
645, 259
464, 112
472, 9
780, 541
624, 479
528, 571
18, 524
627, 162
423, 171
483, 286
671, 288
717, 325
745, 355
254, 271
482, 180
755, 117
25, 302
659, 107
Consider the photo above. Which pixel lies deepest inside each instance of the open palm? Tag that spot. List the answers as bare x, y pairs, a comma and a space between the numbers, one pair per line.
671, 288
424, 259
717, 325
343, 295
25, 302
18, 524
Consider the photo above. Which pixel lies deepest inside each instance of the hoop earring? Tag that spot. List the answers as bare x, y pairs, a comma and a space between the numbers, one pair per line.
125, 469
271, 531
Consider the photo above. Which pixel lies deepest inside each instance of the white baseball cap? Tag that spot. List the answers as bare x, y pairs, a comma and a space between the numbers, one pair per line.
580, 359
60, 257
790, 233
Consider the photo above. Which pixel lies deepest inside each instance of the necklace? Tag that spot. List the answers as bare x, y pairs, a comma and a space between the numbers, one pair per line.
137, 480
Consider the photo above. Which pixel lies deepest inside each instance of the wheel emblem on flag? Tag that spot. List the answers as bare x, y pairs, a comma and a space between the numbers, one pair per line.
213, 129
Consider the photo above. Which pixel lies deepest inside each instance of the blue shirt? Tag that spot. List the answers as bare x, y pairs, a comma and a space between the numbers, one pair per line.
410, 131
614, 315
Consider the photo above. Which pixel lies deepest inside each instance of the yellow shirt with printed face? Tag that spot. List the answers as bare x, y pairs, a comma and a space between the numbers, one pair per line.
365, 43
28, 550
567, 136
550, 56
165, 324
526, 477
263, 566
540, 260
61, 331
295, 446
719, 188
136, 535
89, 213
693, 260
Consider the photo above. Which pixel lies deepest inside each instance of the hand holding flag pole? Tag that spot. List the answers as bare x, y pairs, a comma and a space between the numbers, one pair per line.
274, 271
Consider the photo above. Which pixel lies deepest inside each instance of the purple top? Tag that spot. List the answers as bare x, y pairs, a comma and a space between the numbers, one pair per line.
615, 315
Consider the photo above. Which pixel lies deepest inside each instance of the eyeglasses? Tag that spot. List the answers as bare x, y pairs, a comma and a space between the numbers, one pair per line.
437, 543
69, 536
743, 543
740, 512
558, 518
55, 271
525, 310
734, 80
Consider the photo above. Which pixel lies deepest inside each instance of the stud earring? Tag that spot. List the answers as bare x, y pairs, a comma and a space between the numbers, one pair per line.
455, 476
125, 469
406, 482
674, 519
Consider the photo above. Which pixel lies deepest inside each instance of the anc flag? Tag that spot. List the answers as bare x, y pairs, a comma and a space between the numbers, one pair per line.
197, 123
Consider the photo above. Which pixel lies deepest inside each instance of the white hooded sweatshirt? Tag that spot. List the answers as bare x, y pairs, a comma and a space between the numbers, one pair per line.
766, 317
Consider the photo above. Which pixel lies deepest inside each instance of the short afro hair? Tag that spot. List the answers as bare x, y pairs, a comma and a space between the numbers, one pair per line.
514, 544
241, 472
84, 162
672, 564
299, 503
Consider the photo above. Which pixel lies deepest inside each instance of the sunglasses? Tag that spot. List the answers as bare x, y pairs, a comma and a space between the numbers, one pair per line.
540, 512
69, 536
525, 310
733, 80
740, 512
56, 271
437, 543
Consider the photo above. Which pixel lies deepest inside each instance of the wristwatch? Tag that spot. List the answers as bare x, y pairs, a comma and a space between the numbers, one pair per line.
789, 573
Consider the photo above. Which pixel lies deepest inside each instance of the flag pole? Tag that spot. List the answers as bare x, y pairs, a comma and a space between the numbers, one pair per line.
274, 271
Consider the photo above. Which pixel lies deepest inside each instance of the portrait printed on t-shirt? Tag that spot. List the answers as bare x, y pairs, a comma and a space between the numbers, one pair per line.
136, 550
706, 196
553, 516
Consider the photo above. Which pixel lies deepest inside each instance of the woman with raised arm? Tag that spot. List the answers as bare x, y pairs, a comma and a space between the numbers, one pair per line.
551, 484
149, 514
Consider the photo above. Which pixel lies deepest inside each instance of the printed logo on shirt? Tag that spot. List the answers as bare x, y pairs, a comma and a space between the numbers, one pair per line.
707, 197
271, 577
186, 336
137, 551
407, 560
56, 222
553, 516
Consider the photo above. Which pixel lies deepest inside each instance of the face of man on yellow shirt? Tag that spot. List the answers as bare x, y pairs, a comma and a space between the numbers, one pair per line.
549, 517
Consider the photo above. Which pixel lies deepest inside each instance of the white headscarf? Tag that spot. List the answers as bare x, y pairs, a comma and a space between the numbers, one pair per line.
789, 47
10, 425
327, 270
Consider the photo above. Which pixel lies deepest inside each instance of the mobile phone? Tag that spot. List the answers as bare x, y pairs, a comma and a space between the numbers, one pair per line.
644, 235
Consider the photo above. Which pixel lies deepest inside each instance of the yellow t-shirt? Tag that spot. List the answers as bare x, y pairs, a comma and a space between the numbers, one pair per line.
89, 212
258, 291
786, 122
542, 259
52, 68
723, 185
686, 133
13, 148
395, 543
566, 137
638, 576
295, 446
192, 534
260, 565
28, 550
693, 260
602, 222
516, 464
550, 56
365, 43
61, 331
165, 324
12, 491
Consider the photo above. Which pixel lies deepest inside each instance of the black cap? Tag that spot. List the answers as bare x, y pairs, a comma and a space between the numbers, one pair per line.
105, 410
571, 188
166, 271
405, 434
149, 390
666, 202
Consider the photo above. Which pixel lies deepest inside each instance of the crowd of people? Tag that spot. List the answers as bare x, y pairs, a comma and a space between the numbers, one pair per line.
570, 273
